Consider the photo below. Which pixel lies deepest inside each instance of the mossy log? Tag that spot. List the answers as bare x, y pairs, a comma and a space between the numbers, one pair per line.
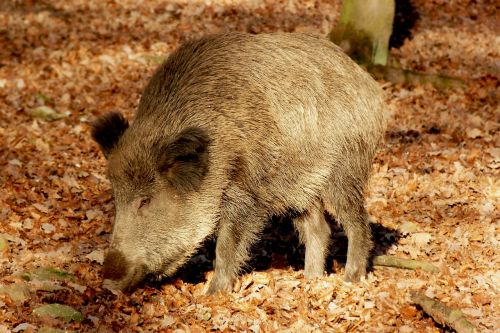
399, 75
443, 314
391, 261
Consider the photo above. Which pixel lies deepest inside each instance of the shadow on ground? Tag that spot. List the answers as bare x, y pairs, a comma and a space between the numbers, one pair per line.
279, 248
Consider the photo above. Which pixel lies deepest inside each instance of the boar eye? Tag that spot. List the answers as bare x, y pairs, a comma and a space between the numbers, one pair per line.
144, 202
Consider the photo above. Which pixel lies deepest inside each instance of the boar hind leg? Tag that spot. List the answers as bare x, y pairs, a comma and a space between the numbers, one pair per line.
239, 226
314, 233
346, 203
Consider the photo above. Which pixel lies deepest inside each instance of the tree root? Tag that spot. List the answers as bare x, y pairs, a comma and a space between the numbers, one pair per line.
391, 261
442, 314
399, 75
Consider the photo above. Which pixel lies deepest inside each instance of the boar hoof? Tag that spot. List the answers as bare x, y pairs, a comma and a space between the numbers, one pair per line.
219, 285
354, 274
313, 273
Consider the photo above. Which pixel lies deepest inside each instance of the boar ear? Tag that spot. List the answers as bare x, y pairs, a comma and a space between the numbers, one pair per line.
184, 162
107, 130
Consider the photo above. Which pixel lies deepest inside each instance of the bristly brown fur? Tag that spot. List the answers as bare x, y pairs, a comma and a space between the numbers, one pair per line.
108, 129
231, 130
184, 162
113, 265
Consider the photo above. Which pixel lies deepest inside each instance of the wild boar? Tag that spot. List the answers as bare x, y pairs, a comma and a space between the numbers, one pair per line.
230, 130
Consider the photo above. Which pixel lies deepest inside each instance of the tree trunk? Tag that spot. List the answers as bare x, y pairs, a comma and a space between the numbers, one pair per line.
364, 30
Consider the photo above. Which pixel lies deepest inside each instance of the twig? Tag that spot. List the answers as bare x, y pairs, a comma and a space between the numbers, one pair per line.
391, 261
442, 314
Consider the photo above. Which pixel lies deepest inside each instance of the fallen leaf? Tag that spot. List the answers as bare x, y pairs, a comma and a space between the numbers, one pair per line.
77, 287
23, 327
406, 329
15, 162
167, 321
91, 214
4, 244
48, 228
47, 273
473, 133
96, 256
46, 113
473, 312
41, 97
61, 311
369, 305
41, 208
408, 227
52, 330
421, 239
18, 292
495, 152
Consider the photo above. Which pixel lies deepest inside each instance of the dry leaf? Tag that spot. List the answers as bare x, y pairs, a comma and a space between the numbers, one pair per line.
473, 133
421, 239
96, 256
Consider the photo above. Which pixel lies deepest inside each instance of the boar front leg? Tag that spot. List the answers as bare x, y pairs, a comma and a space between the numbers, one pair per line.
239, 226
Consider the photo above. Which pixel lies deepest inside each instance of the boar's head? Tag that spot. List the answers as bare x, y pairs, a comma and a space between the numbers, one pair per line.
156, 180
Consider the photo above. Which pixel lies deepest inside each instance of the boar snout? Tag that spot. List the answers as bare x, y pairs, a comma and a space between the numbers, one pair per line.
115, 265
121, 274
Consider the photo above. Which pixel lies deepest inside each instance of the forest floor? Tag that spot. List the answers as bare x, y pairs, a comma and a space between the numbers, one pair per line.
433, 195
